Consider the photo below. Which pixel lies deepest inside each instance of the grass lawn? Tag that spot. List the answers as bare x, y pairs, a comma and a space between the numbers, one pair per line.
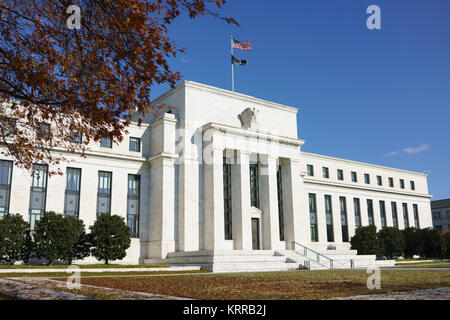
425, 265
90, 274
83, 266
277, 285
421, 263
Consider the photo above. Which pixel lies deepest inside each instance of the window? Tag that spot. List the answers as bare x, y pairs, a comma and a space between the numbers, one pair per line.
340, 174
254, 185
366, 178
354, 177
325, 172
135, 144
133, 196
413, 185
8, 125
329, 218
280, 203
357, 207
379, 181
383, 214
227, 205
405, 215
370, 211
43, 131
38, 193
391, 182
313, 217
416, 216
72, 194
402, 183
106, 143
310, 170
394, 214
5, 186
76, 137
104, 193
344, 226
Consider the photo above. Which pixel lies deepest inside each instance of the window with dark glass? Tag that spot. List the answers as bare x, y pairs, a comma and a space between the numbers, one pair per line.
391, 182
402, 183
405, 215
379, 181
104, 193
357, 208
5, 186
366, 178
413, 185
383, 213
8, 125
310, 170
106, 143
329, 218
370, 211
135, 144
43, 131
313, 217
72, 194
340, 174
38, 193
133, 196
325, 172
254, 185
227, 205
416, 216
76, 137
354, 176
394, 214
344, 225
280, 203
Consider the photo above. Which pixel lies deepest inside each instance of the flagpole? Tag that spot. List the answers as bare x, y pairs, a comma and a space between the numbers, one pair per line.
232, 66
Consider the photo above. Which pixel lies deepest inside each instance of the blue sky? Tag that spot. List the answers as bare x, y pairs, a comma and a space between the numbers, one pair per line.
377, 96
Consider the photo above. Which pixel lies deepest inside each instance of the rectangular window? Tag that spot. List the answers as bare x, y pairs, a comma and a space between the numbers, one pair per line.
405, 215
383, 214
227, 205
370, 211
106, 143
329, 218
402, 183
104, 193
7, 125
135, 144
310, 170
133, 197
76, 137
340, 174
313, 218
254, 185
366, 178
354, 176
379, 181
391, 182
325, 172
344, 225
5, 186
357, 206
280, 203
416, 216
43, 131
38, 193
394, 214
72, 194
413, 185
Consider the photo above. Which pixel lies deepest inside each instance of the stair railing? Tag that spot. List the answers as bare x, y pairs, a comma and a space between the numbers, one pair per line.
318, 256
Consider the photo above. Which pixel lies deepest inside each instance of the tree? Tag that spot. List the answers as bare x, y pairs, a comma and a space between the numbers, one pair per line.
84, 82
391, 242
413, 242
60, 238
365, 240
13, 238
433, 243
110, 238
447, 243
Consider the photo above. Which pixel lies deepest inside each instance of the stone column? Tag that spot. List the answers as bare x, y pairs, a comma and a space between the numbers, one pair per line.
336, 213
240, 199
269, 202
350, 217
321, 219
377, 213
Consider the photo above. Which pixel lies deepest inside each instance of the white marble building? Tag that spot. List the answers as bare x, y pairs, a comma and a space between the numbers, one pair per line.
222, 179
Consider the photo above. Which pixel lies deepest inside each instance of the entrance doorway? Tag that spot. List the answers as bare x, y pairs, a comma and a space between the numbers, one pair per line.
255, 233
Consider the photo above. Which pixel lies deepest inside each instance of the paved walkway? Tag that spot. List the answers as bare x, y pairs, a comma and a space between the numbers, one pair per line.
425, 294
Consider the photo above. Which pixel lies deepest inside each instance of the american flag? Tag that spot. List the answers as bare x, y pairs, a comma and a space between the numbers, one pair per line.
241, 45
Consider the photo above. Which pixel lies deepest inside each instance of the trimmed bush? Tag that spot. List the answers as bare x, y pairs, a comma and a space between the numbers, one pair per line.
391, 242
110, 238
434, 245
447, 243
365, 240
413, 242
14, 238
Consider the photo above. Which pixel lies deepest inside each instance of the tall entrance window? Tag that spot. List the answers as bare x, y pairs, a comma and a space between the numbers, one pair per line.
416, 216
405, 215
370, 211
329, 218
344, 225
104, 193
72, 194
5, 186
254, 185
383, 214
357, 206
394, 214
38, 193
255, 234
313, 217
133, 195
280, 203
227, 205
